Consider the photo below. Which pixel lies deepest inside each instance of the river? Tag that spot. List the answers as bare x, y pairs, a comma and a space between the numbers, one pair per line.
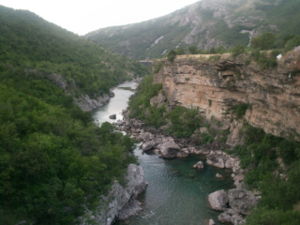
177, 193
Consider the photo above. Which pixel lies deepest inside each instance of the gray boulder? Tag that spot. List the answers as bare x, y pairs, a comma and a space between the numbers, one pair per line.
169, 149
218, 200
231, 216
216, 161
199, 165
241, 200
211, 222
113, 117
149, 146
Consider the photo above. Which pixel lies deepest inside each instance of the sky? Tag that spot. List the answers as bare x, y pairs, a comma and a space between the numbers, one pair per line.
83, 16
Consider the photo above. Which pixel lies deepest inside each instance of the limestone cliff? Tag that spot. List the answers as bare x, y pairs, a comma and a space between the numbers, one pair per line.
215, 84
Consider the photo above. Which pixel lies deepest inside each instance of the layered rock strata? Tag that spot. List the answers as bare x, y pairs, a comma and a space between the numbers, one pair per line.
216, 84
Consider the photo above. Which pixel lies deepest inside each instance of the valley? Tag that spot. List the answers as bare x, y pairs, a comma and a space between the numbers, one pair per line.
190, 118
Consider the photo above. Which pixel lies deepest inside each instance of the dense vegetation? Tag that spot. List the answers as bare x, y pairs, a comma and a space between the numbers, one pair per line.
177, 121
28, 40
273, 167
272, 164
53, 160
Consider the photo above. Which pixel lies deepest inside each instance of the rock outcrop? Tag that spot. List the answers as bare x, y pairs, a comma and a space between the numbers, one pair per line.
120, 203
169, 149
218, 84
235, 204
199, 165
86, 103
218, 200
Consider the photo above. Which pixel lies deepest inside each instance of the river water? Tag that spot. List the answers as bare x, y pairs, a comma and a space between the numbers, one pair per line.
177, 193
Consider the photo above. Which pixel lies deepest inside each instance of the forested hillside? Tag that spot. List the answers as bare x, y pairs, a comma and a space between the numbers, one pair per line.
29, 41
53, 160
207, 24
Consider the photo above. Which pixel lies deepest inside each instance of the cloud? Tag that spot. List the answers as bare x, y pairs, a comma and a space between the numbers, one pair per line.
84, 16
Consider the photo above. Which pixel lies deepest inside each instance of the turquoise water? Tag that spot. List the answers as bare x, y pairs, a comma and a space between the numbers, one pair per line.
177, 193
116, 104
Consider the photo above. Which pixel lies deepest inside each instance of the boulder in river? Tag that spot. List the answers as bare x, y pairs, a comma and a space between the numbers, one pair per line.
216, 161
218, 200
169, 149
149, 146
199, 165
113, 117
211, 222
219, 176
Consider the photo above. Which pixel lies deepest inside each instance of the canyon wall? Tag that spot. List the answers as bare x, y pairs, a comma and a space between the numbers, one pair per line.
216, 84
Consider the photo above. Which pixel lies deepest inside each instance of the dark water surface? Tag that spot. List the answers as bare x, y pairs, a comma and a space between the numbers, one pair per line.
177, 193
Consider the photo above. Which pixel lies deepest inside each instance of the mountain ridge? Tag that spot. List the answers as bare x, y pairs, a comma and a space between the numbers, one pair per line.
205, 24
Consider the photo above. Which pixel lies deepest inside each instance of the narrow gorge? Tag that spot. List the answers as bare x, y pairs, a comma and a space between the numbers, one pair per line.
244, 109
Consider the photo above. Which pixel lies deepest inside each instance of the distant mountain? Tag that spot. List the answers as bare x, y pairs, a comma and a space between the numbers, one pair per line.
205, 24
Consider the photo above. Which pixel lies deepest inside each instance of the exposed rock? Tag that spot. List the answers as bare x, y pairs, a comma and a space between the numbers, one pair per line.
214, 87
169, 149
216, 161
130, 209
218, 200
158, 100
120, 201
86, 103
231, 216
111, 94
146, 136
211, 222
229, 162
241, 200
148, 146
182, 154
291, 60
219, 176
199, 165
113, 117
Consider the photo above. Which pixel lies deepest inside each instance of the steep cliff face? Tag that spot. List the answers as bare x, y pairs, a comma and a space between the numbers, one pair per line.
219, 84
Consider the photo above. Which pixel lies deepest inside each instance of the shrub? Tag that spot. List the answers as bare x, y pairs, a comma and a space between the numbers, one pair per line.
263, 216
264, 41
238, 50
172, 56
183, 121
240, 109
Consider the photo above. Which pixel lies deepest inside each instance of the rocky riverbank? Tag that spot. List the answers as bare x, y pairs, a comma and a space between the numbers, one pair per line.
121, 202
87, 104
235, 204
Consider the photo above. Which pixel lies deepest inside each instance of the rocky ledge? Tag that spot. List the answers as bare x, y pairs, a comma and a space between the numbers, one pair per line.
235, 203
87, 104
121, 202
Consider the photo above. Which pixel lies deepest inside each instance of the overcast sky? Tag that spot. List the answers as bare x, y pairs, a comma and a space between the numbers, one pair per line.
82, 16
